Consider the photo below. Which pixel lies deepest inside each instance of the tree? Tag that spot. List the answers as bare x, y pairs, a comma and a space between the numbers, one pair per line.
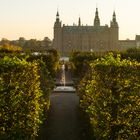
47, 43
4, 41
21, 41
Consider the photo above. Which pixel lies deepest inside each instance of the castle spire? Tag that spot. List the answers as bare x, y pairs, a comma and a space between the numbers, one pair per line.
114, 16
96, 19
57, 22
79, 22
114, 21
57, 16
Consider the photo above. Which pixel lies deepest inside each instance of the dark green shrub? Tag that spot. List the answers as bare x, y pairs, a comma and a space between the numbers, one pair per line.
133, 54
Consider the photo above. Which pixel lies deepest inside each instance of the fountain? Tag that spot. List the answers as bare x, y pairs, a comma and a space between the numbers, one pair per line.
63, 79
63, 83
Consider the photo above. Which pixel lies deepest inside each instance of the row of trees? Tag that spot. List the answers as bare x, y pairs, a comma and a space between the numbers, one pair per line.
29, 45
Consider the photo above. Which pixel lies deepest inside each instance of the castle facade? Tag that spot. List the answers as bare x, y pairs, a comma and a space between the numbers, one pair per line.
94, 38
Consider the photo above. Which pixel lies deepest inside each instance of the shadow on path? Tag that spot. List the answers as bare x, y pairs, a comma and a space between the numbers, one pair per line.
64, 121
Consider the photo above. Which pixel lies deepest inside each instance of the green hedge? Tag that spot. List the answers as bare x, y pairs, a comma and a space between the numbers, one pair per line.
132, 55
21, 99
110, 95
51, 60
80, 63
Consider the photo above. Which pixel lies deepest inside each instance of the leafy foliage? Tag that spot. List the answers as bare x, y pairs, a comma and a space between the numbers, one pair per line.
51, 60
32, 45
22, 97
132, 53
80, 61
110, 95
10, 48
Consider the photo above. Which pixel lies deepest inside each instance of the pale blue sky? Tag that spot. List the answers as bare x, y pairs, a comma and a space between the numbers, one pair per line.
35, 18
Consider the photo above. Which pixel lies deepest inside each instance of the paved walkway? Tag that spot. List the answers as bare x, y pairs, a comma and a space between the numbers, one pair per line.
63, 119
64, 122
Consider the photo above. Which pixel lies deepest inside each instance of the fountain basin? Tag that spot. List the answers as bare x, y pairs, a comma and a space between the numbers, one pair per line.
64, 89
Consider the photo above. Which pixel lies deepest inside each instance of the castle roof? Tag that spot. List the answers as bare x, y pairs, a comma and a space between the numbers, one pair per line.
84, 29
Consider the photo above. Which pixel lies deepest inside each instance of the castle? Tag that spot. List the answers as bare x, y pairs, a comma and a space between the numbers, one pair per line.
86, 38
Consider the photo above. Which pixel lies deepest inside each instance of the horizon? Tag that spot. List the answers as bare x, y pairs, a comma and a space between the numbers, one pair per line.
34, 19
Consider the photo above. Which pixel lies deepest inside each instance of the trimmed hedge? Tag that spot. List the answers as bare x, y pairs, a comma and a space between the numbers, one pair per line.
132, 54
80, 63
21, 99
51, 60
110, 96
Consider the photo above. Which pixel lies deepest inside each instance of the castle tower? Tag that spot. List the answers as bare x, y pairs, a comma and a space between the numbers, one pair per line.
57, 42
96, 19
114, 33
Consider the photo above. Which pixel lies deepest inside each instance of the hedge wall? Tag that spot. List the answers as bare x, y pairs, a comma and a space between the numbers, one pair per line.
21, 99
110, 96
80, 63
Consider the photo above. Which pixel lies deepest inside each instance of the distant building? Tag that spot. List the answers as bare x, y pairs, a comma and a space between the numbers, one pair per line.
137, 39
86, 38
127, 44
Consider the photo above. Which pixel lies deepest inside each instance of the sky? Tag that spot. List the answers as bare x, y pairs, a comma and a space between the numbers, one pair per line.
35, 18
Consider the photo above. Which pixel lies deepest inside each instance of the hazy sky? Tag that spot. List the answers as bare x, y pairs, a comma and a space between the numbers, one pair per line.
35, 18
